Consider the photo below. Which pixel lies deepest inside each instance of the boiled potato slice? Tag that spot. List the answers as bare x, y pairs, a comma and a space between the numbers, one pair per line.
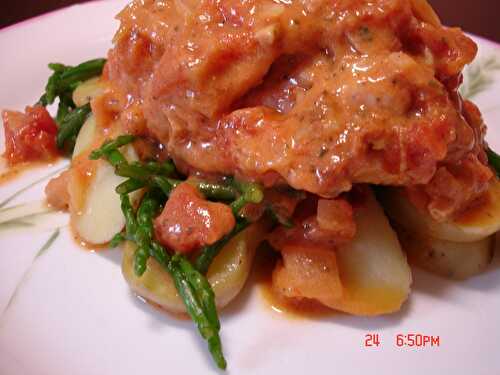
230, 269
86, 136
476, 224
96, 214
227, 274
101, 216
455, 260
87, 91
373, 269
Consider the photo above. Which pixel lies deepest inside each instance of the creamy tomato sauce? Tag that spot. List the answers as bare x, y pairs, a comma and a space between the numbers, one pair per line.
315, 94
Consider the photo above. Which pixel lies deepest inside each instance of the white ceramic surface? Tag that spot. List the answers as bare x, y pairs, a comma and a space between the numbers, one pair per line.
69, 311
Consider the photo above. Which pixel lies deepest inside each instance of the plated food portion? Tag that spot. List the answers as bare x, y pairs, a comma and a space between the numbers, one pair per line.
333, 131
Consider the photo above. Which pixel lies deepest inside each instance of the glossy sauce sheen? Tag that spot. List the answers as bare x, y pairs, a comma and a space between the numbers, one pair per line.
315, 94
82, 172
483, 211
264, 263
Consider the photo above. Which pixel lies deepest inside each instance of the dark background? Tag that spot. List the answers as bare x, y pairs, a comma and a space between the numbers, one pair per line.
477, 16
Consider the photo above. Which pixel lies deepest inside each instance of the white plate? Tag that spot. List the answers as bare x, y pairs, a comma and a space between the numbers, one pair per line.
69, 311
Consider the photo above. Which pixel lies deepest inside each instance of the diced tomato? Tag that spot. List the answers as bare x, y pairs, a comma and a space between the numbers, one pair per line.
29, 136
330, 226
189, 222
308, 272
336, 216
282, 202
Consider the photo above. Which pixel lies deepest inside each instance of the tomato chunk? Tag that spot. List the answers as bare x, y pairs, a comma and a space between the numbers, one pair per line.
29, 136
189, 222
308, 272
330, 226
336, 215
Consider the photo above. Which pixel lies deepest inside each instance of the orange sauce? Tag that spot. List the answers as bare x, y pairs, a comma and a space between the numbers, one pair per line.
261, 277
481, 211
265, 260
17, 170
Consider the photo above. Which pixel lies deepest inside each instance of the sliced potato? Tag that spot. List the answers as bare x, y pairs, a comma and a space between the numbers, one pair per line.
86, 136
368, 276
227, 274
476, 224
374, 272
101, 216
96, 215
87, 91
455, 260
230, 269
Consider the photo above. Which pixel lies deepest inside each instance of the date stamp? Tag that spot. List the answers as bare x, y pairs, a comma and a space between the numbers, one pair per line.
372, 340
404, 340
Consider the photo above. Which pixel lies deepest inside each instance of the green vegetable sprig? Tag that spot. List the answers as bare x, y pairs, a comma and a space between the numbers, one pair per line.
66, 78
494, 160
193, 287
250, 193
61, 84
209, 252
189, 280
70, 126
154, 174
111, 145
